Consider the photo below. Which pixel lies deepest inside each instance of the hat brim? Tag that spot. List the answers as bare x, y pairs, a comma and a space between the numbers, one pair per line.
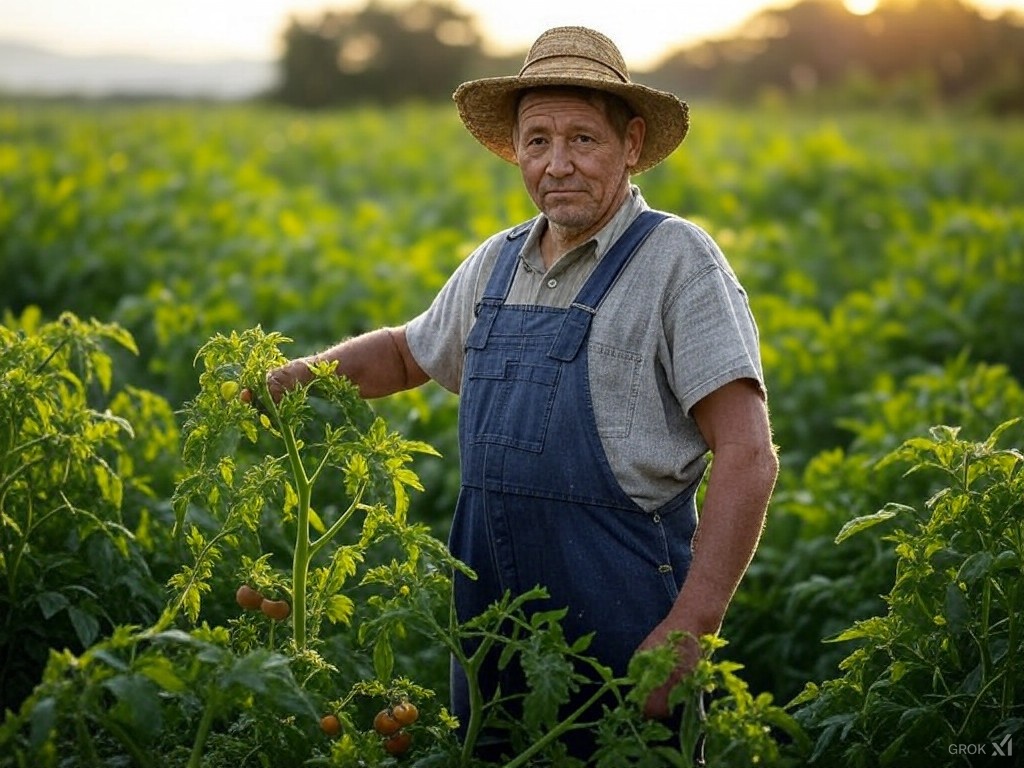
487, 109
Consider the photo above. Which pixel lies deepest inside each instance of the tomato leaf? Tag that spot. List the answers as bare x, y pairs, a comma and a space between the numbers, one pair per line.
864, 522
340, 609
51, 603
87, 627
383, 658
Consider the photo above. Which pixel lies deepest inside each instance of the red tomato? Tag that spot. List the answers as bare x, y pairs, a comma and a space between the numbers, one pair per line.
248, 598
399, 743
405, 712
278, 610
330, 725
385, 724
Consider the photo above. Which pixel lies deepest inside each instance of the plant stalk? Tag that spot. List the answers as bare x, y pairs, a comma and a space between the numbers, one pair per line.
302, 555
205, 725
565, 725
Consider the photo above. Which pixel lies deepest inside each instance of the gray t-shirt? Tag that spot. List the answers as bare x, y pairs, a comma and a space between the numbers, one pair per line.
675, 326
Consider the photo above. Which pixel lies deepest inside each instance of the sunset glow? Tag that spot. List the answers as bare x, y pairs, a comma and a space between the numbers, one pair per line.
861, 7
198, 29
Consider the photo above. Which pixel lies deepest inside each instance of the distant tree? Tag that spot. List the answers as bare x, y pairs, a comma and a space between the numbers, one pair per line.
906, 52
937, 49
420, 51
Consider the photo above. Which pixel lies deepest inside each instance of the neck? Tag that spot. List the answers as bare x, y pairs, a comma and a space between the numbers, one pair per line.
557, 240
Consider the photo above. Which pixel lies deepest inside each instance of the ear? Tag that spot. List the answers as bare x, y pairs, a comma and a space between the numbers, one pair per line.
636, 129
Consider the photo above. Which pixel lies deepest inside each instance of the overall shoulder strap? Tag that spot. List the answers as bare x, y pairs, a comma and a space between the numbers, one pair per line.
500, 281
617, 257
576, 324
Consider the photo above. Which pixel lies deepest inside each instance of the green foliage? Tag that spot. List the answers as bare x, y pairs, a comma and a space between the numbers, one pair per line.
245, 686
69, 554
941, 664
801, 588
141, 694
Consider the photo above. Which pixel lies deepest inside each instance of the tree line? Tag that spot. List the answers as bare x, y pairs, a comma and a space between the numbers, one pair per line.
911, 53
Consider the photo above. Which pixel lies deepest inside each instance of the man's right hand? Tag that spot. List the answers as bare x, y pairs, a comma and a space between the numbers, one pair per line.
283, 379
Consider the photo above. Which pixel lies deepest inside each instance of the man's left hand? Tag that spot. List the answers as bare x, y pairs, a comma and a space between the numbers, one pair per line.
688, 653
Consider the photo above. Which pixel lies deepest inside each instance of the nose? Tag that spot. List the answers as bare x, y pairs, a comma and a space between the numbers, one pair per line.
560, 161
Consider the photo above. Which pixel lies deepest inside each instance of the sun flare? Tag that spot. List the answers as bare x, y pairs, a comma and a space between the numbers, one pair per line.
860, 7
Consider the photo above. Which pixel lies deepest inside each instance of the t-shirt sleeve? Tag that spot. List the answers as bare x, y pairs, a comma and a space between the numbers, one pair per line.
711, 334
437, 337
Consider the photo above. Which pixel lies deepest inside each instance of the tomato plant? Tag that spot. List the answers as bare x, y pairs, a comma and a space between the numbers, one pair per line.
953, 615
71, 544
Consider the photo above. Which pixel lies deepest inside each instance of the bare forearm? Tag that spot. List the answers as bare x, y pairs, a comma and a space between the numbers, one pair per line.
378, 362
732, 517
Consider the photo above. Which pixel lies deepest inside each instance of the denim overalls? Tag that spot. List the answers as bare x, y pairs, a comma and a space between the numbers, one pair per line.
539, 503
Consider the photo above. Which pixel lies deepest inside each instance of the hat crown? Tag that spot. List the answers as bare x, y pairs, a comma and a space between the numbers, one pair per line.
575, 51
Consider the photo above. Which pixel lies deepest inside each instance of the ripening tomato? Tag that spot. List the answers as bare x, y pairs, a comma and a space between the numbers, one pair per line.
385, 724
405, 712
330, 724
248, 598
246, 396
399, 743
278, 610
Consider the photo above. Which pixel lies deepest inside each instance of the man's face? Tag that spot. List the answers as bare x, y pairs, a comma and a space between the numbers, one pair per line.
574, 163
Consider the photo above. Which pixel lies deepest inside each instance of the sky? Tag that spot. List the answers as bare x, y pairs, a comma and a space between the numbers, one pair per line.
205, 29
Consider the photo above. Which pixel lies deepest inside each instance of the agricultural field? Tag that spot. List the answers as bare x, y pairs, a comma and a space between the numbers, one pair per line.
192, 581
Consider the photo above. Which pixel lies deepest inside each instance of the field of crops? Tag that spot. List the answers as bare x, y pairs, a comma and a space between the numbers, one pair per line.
153, 257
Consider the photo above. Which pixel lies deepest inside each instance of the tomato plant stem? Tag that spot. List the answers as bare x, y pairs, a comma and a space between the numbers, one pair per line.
476, 714
471, 668
121, 734
302, 555
1010, 680
329, 534
87, 747
983, 646
565, 725
205, 724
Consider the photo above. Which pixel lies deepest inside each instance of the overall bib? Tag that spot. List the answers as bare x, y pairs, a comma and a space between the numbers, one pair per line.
539, 503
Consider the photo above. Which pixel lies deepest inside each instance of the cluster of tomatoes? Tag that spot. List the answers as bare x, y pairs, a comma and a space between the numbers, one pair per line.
389, 723
251, 600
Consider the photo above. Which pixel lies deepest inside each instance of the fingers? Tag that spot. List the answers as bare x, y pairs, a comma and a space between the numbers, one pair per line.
251, 398
688, 652
656, 706
279, 381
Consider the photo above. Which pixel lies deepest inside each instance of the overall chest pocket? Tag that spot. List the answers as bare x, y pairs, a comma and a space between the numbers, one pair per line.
615, 388
509, 402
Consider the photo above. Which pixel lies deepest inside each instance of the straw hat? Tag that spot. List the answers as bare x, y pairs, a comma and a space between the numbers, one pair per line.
573, 56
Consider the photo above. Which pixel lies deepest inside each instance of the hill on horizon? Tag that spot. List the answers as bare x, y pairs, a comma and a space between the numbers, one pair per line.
31, 69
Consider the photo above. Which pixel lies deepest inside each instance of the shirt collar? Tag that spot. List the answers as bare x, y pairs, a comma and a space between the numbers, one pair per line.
633, 205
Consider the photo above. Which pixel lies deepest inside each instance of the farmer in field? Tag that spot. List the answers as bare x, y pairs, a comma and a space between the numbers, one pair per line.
600, 351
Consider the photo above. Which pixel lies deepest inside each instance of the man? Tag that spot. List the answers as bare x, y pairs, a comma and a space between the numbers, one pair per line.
600, 352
